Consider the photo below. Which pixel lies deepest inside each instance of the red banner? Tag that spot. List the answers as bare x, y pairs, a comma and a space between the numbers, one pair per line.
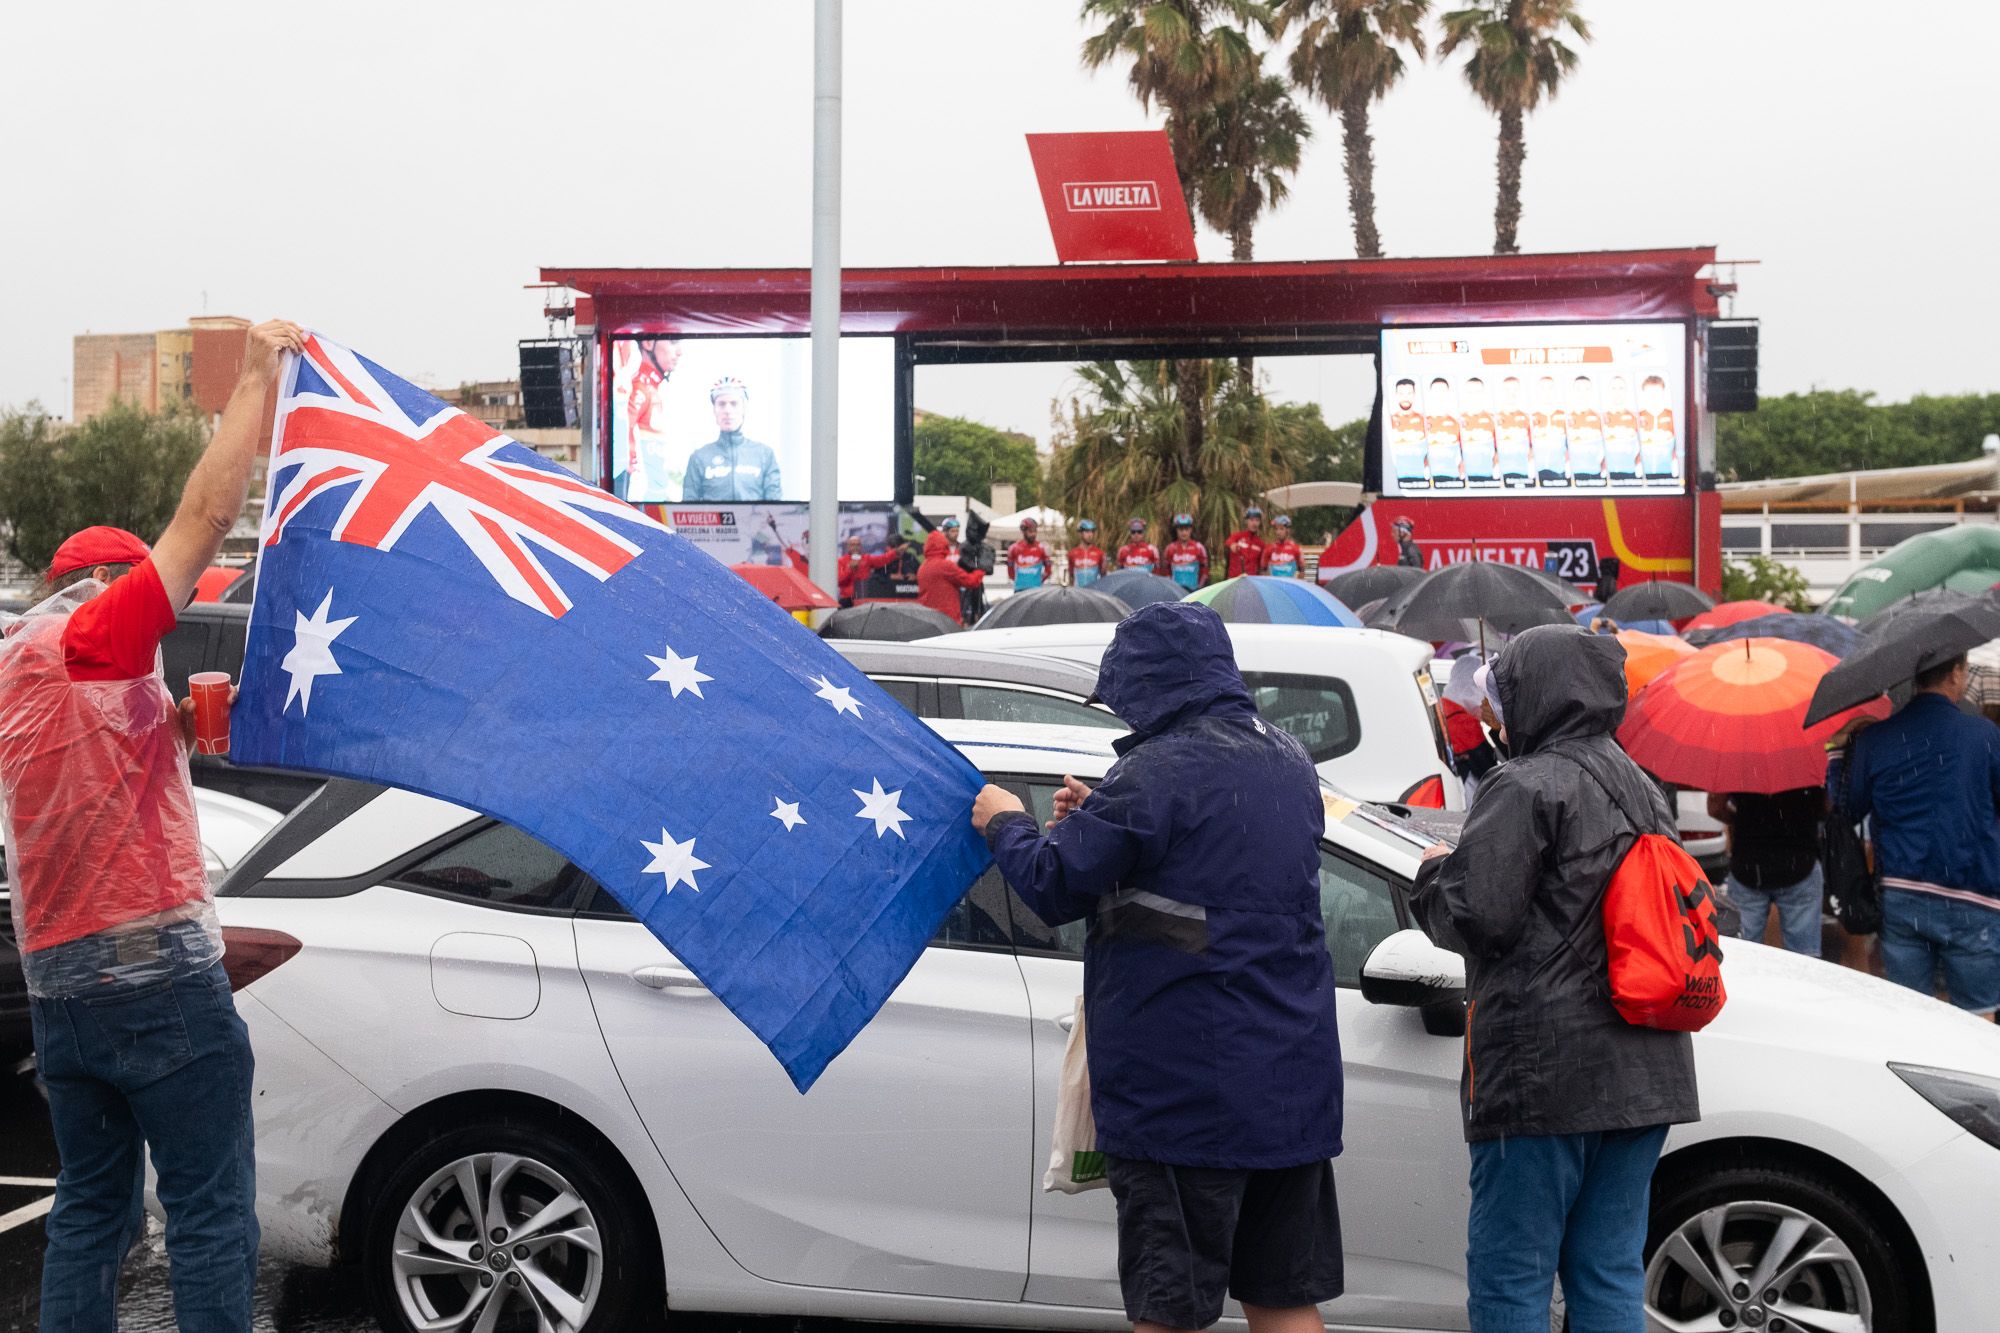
1112, 196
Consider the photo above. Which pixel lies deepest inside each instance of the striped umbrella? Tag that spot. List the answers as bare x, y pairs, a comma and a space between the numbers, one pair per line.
1732, 718
1255, 599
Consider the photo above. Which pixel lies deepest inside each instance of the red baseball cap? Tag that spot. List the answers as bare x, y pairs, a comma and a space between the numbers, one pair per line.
97, 546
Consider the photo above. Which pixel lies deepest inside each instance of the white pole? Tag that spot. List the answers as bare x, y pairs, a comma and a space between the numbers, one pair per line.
825, 294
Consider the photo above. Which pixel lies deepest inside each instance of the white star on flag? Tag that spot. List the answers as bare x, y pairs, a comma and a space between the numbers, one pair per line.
787, 813
839, 696
679, 673
881, 806
675, 860
312, 653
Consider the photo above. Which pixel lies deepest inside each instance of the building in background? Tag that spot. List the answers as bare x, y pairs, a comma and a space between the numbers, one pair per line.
195, 365
498, 404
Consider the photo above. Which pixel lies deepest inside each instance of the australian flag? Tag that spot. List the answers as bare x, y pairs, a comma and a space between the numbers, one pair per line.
438, 608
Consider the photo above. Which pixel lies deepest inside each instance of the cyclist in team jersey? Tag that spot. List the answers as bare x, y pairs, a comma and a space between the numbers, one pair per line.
1086, 558
1282, 558
1028, 559
1659, 445
1516, 462
1548, 435
1187, 559
1621, 432
1481, 465
1137, 552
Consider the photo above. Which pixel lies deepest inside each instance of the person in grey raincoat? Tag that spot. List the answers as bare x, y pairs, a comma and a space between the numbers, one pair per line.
1209, 996
1566, 1105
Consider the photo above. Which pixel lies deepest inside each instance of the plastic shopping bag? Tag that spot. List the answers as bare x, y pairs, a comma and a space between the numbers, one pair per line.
1075, 1164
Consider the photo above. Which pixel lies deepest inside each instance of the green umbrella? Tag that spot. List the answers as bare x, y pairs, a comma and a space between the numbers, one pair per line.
1964, 559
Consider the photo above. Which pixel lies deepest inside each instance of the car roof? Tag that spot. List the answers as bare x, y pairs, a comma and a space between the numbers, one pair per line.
942, 658
1071, 640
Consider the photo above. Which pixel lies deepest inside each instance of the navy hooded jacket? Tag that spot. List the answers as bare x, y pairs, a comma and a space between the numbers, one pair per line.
1209, 999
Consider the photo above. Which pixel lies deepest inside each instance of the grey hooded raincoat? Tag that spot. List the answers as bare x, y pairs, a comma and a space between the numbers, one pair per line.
1545, 1051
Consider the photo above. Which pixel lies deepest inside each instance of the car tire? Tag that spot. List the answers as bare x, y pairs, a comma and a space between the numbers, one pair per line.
547, 1198
1712, 1231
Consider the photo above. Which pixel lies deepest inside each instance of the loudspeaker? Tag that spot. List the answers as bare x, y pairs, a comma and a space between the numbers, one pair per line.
1732, 366
548, 385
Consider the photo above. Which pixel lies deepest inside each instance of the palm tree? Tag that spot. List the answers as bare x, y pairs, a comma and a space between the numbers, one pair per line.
1517, 58
1186, 57
1349, 57
1119, 446
1247, 146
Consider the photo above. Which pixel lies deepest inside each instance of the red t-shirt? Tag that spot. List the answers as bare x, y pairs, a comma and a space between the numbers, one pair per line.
101, 821
1246, 553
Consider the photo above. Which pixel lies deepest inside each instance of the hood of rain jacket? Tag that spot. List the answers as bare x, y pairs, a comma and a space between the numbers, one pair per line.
1546, 1053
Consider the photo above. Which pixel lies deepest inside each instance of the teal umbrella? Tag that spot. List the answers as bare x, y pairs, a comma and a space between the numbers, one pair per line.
1963, 559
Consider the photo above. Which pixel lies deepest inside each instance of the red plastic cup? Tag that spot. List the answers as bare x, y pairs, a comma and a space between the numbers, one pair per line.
210, 691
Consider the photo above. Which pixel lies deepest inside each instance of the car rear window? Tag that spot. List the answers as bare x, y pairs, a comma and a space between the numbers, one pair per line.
1319, 710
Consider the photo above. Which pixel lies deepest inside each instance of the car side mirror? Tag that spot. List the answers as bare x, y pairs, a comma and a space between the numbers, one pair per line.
1407, 969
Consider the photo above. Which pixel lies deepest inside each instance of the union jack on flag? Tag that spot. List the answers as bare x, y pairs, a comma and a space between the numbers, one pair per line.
346, 425
438, 608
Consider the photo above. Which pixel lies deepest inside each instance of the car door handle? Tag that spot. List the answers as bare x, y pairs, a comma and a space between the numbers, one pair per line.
675, 979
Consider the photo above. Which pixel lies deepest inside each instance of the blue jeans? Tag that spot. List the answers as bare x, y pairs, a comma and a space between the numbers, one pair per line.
1573, 1205
1923, 933
165, 1067
1798, 905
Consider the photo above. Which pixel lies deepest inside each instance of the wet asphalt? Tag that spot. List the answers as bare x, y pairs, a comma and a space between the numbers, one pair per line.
289, 1299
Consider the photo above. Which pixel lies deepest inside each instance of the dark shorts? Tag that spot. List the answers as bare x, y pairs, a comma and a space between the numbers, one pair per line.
1188, 1235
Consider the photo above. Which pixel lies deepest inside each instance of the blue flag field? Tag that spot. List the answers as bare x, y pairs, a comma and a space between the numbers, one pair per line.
440, 609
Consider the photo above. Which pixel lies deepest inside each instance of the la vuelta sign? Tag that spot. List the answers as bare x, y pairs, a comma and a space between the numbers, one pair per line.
1112, 196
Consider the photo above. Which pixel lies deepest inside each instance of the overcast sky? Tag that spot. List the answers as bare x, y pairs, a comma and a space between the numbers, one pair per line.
394, 173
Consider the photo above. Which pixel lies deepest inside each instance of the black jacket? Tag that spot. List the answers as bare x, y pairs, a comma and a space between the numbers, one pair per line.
1520, 898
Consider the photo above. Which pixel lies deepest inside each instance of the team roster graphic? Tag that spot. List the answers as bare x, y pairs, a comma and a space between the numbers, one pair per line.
1561, 409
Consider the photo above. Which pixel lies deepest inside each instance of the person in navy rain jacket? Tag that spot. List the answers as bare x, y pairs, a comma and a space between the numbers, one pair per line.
1208, 991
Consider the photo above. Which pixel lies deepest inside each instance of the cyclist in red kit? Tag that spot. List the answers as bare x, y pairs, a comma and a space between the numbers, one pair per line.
1187, 559
1283, 558
1245, 547
1086, 558
1028, 559
1137, 552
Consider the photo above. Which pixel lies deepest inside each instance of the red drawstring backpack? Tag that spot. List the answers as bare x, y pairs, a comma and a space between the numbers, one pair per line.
1659, 931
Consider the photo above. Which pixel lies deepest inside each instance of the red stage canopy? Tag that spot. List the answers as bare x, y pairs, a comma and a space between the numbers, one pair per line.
1080, 302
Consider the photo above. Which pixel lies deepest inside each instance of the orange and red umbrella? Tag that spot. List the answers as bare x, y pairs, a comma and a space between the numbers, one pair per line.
1647, 655
1731, 718
1725, 614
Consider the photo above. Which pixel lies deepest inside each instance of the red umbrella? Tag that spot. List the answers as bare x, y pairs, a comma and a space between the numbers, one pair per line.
1725, 614
1732, 718
785, 586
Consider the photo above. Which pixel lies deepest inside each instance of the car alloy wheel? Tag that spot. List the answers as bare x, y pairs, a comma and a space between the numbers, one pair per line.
1757, 1267
495, 1241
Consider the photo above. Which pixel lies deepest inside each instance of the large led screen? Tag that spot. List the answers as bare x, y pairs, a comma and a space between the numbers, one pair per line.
730, 419
1564, 409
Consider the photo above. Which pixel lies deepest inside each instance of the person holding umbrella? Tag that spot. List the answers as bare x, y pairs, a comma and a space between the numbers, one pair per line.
1928, 782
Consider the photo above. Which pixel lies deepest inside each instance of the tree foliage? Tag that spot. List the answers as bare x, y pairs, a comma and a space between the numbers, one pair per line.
1759, 578
1842, 430
124, 467
1119, 449
1515, 58
1348, 56
1249, 145
955, 456
1327, 453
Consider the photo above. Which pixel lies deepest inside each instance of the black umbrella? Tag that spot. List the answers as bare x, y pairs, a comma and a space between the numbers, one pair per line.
1055, 606
896, 622
1357, 587
1904, 645
1835, 636
1569, 592
1137, 588
1492, 596
1928, 600
1654, 600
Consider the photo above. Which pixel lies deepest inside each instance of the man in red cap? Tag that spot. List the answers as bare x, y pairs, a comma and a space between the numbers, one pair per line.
136, 1036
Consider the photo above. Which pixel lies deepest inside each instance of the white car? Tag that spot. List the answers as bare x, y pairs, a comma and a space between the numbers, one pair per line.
1361, 700
481, 1081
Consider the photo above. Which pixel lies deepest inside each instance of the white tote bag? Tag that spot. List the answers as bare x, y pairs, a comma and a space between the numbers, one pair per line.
1075, 1164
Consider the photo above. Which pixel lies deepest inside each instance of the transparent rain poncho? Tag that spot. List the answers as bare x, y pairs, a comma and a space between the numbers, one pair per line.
97, 812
